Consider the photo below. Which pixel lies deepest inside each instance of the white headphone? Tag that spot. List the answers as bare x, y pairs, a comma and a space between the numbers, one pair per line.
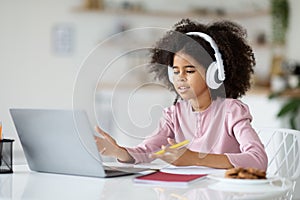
215, 74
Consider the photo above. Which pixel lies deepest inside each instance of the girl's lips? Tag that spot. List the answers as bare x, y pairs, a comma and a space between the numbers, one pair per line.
183, 89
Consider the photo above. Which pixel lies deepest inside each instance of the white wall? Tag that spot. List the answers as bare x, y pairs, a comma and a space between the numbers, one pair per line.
293, 41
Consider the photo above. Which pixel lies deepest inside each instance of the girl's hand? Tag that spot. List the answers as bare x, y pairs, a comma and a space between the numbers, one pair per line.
107, 146
177, 157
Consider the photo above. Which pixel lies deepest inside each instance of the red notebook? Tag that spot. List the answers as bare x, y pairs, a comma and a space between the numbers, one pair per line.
162, 178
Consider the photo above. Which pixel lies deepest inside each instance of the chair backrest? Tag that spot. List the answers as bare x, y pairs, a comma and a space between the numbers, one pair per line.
283, 150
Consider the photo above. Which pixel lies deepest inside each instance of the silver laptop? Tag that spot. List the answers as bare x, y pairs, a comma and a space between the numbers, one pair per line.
61, 141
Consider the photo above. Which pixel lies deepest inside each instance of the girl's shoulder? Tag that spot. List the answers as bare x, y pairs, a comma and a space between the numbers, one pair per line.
237, 108
230, 102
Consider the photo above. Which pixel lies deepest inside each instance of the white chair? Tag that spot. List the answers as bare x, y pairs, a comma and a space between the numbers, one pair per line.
283, 150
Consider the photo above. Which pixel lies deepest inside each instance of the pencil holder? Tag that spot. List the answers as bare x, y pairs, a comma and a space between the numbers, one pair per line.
6, 156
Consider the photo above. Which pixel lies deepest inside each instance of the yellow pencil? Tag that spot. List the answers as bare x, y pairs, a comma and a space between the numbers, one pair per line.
180, 144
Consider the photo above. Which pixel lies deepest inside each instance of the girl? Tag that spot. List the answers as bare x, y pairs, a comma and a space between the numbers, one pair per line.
209, 67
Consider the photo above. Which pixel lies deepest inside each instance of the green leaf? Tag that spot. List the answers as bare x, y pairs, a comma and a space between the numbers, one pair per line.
293, 119
291, 106
274, 95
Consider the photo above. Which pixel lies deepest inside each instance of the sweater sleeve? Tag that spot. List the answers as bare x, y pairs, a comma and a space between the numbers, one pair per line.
252, 150
154, 142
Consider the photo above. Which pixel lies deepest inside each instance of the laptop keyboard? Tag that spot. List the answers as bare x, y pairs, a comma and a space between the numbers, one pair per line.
114, 173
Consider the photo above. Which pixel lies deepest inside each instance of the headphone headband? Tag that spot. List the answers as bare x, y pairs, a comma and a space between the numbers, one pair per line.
221, 73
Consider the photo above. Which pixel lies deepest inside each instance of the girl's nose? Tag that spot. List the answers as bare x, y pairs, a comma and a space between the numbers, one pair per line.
181, 76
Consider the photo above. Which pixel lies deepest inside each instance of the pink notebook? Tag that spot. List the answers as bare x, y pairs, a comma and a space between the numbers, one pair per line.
168, 179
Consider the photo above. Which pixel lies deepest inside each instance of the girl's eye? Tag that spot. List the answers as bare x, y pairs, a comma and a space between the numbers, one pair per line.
190, 71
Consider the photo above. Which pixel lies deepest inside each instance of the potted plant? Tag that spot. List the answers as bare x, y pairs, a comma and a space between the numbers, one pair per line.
291, 108
280, 21
280, 88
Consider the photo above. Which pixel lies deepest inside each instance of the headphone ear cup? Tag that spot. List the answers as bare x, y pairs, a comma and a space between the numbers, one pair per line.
171, 74
212, 76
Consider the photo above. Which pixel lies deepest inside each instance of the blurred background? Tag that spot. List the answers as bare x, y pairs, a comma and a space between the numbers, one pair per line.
45, 44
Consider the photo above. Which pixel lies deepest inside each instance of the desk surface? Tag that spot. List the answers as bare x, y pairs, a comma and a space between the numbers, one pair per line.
24, 184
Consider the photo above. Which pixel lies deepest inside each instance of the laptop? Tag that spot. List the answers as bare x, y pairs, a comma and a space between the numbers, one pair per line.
61, 141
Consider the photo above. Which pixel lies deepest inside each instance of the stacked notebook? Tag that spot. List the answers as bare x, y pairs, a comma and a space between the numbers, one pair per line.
168, 179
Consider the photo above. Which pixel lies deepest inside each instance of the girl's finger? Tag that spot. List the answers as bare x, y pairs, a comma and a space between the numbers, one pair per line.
100, 131
171, 141
103, 134
102, 151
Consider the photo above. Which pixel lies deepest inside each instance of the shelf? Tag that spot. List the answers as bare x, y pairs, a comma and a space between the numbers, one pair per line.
175, 14
259, 90
291, 93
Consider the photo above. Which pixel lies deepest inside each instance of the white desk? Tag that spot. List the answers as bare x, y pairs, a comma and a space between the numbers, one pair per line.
23, 184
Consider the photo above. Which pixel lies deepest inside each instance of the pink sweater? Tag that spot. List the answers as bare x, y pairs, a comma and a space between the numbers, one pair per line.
223, 128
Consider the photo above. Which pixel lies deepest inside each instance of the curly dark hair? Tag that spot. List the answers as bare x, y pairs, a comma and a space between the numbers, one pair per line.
237, 55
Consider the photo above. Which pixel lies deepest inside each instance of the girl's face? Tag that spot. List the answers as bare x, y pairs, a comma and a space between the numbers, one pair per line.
189, 77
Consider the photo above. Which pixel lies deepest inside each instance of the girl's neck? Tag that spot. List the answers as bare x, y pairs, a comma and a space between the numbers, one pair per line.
201, 104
